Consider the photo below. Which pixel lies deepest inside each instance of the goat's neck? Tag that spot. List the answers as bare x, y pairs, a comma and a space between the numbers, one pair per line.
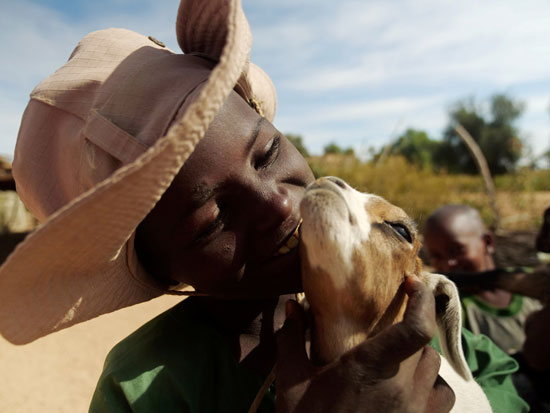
331, 337
334, 334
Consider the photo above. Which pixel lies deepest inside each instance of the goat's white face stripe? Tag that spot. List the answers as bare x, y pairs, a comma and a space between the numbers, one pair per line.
344, 231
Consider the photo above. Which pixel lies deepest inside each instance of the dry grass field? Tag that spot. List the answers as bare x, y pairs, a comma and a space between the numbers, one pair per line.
521, 198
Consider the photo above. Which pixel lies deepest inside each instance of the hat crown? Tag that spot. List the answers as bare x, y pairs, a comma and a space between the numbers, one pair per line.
87, 130
102, 109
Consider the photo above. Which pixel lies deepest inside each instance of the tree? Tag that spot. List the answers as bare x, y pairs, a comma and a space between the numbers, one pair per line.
495, 133
333, 148
415, 146
296, 140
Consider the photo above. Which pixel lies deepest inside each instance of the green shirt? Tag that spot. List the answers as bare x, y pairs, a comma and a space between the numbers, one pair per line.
492, 368
505, 326
179, 362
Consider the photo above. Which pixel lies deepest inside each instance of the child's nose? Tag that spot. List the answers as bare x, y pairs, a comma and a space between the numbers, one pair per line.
452, 262
272, 207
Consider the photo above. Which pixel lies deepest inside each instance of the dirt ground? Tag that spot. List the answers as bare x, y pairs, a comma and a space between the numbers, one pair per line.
58, 373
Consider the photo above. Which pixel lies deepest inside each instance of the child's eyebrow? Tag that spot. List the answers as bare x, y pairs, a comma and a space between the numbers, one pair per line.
254, 135
201, 194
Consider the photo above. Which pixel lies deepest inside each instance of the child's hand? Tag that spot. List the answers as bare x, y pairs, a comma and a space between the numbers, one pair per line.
395, 371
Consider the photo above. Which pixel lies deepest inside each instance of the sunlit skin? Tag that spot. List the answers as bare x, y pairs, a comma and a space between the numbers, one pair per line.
456, 240
219, 225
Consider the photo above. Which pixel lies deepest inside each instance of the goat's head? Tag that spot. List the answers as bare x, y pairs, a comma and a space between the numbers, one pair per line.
356, 250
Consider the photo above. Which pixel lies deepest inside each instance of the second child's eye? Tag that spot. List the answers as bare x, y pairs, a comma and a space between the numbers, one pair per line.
270, 154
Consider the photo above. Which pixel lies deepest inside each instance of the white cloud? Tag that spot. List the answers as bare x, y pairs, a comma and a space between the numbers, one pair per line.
538, 103
361, 110
10, 118
494, 41
349, 69
39, 39
536, 123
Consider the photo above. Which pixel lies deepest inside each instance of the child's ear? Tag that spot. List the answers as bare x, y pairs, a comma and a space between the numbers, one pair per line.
489, 240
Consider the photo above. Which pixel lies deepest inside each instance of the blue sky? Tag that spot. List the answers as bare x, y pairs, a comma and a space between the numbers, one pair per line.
357, 73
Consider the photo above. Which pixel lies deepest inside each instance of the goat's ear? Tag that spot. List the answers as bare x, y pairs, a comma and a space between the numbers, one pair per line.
449, 321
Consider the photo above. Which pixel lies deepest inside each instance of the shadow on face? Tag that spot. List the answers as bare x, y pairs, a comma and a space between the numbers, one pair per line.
221, 224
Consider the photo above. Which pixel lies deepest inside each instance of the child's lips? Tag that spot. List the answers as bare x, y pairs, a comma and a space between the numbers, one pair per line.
291, 242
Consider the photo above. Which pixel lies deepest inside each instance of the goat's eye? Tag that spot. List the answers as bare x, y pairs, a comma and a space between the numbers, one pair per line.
401, 229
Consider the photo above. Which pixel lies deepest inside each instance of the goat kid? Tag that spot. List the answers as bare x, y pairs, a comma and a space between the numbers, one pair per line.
356, 249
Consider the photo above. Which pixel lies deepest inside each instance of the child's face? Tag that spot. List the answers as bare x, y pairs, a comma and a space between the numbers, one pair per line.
234, 203
456, 245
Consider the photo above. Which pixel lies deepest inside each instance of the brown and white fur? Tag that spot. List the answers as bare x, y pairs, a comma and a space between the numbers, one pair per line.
356, 249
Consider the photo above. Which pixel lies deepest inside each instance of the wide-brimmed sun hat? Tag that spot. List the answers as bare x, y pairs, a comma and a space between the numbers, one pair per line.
100, 142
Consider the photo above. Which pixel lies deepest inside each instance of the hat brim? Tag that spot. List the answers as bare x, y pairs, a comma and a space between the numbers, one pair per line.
78, 264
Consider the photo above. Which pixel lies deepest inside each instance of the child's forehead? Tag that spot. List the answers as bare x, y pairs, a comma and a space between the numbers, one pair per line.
453, 227
462, 231
465, 223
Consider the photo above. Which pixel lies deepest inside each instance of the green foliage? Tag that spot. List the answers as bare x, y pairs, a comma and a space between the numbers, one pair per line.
333, 148
297, 141
416, 147
495, 133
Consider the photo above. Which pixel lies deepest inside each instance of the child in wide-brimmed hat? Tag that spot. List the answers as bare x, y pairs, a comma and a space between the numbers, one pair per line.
154, 171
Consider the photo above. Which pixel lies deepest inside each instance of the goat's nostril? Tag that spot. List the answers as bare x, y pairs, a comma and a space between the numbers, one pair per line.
337, 181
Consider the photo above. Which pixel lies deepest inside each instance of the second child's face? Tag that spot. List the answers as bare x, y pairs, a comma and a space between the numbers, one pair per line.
235, 202
457, 247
